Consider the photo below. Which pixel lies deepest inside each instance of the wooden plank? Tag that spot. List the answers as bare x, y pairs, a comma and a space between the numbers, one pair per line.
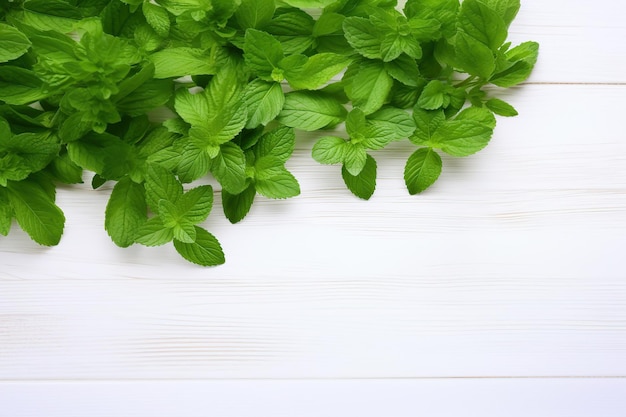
512, 265
397, 398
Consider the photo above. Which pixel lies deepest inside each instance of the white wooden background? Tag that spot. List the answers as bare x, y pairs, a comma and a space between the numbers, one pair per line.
499, 292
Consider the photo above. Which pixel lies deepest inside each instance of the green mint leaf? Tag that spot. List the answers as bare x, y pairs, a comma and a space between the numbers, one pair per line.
205, 251
370, 87
279, 143
522, 60
23, 154
355, 158
195, 205
217, 115
425, 30
276, 182
474, 56
434, 96
444, 11
255, 13
36, 212
330, 150
478, 114
501, 107
193, 108
461, 137
157, 17
154, 233
192, 163
363, 36
293, 29
14, 43
363, 184
422, 170
237, 206
181, 61
393, 123
264, 100
426, 122
147, 97
311, 110
126, 211
229, 168
405, 70
185, 233
161, 185
356, 123
482, 23
6, 212
263, 54
5, 130
315, 72
20, 86
506, 9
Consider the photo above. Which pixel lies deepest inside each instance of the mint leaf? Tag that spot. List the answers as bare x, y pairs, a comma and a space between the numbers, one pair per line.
422, 170
355, 158
126, 211
461, 137
501, 107
330, 150
521, 61
161, 185
14, 43
265, 101
193, 108
434, 96
180, 61
506, 9
205, 251
6, 212
315, 71
474, 56
157, 17
278, 143
277, 184
154, 233
255, 13
311, 110
237, 206
363, 36
19, 85
426, 122
370, 87
36, 212
263, 54
480, 22
363, 184
195, 205
229, 168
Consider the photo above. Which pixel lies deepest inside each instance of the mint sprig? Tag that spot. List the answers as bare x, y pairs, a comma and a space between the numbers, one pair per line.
82, 83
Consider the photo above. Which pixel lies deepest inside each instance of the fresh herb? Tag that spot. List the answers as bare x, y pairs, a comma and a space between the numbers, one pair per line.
82, 80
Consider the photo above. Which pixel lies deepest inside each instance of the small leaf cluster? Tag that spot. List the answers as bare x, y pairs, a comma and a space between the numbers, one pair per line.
84, 85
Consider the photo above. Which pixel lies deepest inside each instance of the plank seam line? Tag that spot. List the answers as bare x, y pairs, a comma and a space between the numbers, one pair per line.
244, 379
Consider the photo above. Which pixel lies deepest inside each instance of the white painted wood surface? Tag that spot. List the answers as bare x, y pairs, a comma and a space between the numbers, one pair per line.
511, 266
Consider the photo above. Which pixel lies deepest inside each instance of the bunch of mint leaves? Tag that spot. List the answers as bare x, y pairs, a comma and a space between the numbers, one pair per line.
82, 83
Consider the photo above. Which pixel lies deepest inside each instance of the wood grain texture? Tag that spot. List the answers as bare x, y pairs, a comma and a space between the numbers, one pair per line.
510, 266
467, 398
